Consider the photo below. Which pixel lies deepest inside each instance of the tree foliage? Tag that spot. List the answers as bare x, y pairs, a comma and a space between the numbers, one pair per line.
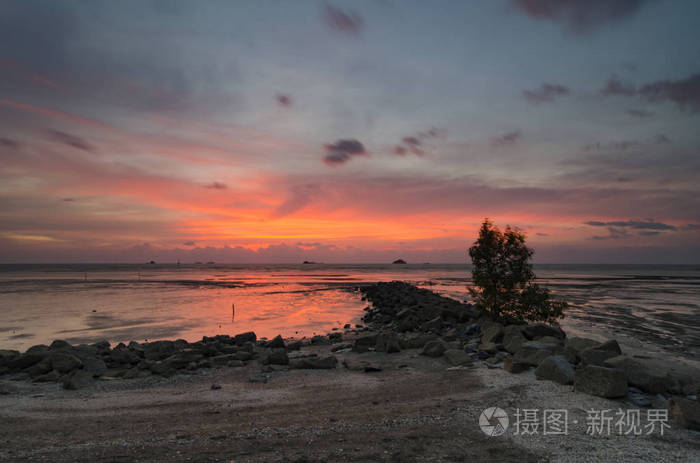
504, 281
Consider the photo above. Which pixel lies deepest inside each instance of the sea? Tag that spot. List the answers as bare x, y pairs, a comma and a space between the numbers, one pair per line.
656, 306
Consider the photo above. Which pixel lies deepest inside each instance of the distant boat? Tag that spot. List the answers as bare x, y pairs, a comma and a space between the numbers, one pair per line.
308, 262
152, 262
399, 261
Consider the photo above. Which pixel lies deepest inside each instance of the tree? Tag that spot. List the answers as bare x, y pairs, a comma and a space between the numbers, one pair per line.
504, 281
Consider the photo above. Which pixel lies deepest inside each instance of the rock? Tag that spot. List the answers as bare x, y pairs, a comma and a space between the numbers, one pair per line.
335, 337
451, 335
361, 365
78, 379
556, 368
434, 348
416, 340
25, 360
235, 363
387, 342
638, 399
320, 340
488, 347
580, 344
491, 332
215, 387
242, 338
276, 357
59, 344
64, 363
432, 325
157, 350
691, 388
684, 412
101, 345
162, 368
593, 356
276, 343
611, 346
514, 342
221, 360
342, 346
183, 358
457, 357
639, 375
38, 349
498, 358
315, 363
363, 343
551, 340
6, 356
242, 355
537, 330
405, 313
512, 365
40, 368
602, 382
533, 353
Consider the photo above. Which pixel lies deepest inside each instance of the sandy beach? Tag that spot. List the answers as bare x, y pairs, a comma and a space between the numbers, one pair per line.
373, 403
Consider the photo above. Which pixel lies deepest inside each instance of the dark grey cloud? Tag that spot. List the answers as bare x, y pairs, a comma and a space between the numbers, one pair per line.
580, 15
415, 143
621, 145
347, 22
685, 93
284, 100
189, 243
641, 113
649, 233
69, 200
342, 151
547, 93
9, 143
613, 234
648, 224
216, 186
542, 234
615, 86
71, 140
508, 138
662, 139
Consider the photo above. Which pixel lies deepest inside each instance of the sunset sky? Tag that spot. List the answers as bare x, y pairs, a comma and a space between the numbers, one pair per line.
358, 131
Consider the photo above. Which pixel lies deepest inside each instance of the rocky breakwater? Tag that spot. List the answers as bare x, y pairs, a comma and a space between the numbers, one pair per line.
416, 318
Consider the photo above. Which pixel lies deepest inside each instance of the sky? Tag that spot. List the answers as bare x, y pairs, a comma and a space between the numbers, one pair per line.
348, 131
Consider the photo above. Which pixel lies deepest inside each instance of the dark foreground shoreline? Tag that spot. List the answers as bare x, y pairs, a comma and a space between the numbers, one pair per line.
409, 385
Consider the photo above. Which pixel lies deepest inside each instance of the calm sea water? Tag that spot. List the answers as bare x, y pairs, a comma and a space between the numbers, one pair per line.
658, 305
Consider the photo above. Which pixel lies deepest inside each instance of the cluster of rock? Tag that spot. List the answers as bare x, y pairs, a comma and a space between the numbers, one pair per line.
76, 366
404, 316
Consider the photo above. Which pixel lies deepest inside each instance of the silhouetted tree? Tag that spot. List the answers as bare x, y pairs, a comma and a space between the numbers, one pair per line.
503, 278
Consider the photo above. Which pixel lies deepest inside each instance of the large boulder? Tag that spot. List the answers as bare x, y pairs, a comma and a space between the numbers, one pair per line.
276, 343
64, 363
242, 338
416, 340
157, 350
491, 332
77, 380
276, 357
364, 343
595, 356
6, 356
433, 325
387, 342
533, 353
513, 365
537, 330
95, 366
556, 368
434, 348
25, 360
457, 357
684, 412
602, 382
640, 375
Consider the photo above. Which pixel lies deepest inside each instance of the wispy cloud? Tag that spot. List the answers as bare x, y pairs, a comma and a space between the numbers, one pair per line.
636, 224
547, 93
508, 138
347, 22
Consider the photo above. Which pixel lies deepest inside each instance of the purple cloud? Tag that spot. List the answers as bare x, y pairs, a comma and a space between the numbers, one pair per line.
649, 224
70, 140
8, 143
414, 143
284, 100
346, 22
685, 93
508, 138
216, 186
546, 93
579, 15
342, 151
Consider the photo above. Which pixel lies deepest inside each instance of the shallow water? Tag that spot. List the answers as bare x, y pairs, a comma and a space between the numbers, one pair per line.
83, 303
